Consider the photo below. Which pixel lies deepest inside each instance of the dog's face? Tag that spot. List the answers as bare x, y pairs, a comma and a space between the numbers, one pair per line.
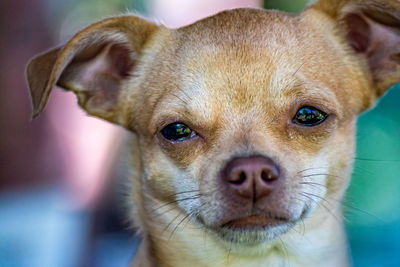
250, 129
245, 120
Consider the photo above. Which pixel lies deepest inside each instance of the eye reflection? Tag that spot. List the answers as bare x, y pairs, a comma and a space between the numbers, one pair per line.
309, 116
178, 132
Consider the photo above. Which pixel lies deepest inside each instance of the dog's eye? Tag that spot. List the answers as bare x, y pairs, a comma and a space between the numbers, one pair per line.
309, 116
178, 132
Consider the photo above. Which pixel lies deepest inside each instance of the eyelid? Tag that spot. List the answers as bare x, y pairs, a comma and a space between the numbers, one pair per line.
323, 100
312, 107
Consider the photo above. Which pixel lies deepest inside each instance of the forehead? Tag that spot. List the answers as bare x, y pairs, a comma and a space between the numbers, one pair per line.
246, 76
245, 54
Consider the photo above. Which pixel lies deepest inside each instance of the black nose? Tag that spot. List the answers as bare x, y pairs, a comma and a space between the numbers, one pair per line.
252, 177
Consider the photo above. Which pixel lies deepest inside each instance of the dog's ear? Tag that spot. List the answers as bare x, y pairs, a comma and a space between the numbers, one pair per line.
372, 29
93, 64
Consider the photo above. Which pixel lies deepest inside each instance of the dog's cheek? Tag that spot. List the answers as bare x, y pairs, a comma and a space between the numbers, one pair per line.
158, 172
341, 153
327, 173
321, 174
163, 178
183, 154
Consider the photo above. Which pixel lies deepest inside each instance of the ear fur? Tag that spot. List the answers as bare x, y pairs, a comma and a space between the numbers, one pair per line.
372, 30
93, 64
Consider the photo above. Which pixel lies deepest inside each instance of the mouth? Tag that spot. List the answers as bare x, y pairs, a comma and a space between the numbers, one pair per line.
254, 229
254, 222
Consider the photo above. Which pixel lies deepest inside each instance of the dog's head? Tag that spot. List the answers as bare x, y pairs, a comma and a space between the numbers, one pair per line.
245, 120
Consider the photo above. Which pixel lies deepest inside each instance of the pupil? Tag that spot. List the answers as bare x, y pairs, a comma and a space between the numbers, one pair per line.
177, 132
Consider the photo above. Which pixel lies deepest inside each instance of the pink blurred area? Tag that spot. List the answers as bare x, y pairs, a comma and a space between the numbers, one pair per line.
176, 13
65, 146
88, 146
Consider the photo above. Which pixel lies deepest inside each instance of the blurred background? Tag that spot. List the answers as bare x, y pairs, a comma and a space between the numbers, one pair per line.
59, 174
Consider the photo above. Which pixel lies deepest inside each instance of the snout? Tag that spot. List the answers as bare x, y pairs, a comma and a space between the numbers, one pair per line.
252, 187
255, 200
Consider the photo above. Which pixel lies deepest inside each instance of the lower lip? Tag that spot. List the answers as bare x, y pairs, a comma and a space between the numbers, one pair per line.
253, 222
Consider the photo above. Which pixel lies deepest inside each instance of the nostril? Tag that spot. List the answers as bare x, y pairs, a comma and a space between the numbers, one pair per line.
268, 176
239, 178
242, 177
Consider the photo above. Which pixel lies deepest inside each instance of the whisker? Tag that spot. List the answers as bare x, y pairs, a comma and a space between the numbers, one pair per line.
312, 183
320, 197
308, 195
181, 99
304, 225
301, 65
170, 223
186, 217
302, 221
183, 192
316, 185
309, 169
165, 212
180, 222
320, 174
354, 208
176, 201
359, 168
345, 204
376, 160
285, 251
229, 253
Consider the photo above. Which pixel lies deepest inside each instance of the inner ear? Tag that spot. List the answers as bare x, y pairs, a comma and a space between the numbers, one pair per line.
376, 35
358, 33
96, 74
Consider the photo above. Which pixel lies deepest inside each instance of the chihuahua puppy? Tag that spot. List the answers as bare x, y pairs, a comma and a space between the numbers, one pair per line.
243, 124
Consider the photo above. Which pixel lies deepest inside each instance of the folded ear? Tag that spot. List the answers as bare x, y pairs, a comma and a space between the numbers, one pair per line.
93, 64
372, 29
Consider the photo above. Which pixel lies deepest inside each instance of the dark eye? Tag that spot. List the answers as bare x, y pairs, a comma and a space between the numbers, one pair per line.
309, 116
177, 132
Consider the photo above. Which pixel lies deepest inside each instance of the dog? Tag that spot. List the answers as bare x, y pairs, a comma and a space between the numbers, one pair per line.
243, 124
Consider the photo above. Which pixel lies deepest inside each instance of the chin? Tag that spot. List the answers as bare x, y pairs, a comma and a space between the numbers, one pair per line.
252, 230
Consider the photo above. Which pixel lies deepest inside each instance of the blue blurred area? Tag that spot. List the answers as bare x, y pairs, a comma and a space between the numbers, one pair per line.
115, 249
38, 229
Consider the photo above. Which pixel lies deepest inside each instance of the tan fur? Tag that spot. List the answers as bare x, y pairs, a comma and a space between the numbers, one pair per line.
237, 79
